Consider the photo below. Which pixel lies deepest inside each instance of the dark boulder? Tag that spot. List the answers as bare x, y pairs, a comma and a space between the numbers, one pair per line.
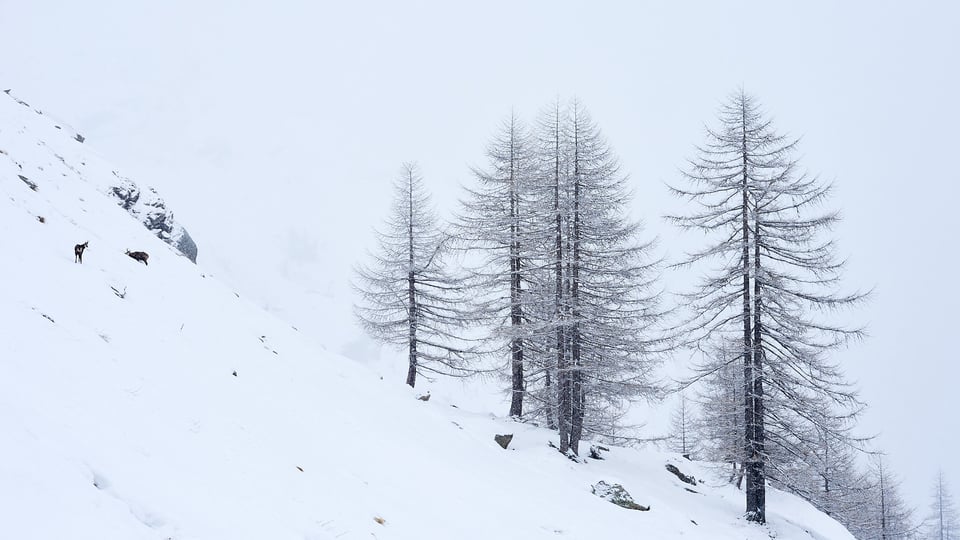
672, 469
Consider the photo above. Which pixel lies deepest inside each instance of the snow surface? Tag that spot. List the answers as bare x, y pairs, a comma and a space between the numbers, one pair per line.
153, 402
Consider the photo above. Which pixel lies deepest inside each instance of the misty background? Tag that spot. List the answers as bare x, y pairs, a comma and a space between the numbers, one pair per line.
274, 130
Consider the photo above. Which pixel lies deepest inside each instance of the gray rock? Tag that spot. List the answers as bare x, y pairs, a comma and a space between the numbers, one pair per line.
31, 185
595, 451
187, 246
503, 440
616, 494
149, 209
672, 469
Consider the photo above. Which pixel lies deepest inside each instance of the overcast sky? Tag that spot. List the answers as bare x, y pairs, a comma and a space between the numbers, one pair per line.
273, 129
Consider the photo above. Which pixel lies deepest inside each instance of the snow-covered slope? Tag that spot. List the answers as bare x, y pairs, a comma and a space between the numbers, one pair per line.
152, 402
42, 148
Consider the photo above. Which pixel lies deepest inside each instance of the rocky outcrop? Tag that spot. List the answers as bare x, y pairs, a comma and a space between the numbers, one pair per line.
616, 494
148, 207
672, 469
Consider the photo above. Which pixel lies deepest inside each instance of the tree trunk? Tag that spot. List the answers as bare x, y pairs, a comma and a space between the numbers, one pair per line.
578, 402
516, 398
576, 387
516, 344
412, 310
550, 397
563, 368
563, 374
411, 293
753, 468
940, 502
516, 310
760, 477
883, 506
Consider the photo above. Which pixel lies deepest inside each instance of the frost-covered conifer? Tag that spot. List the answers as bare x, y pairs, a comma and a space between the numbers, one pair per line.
494, 222
771, 287
943, 522
598, 304
406, 297
884, 515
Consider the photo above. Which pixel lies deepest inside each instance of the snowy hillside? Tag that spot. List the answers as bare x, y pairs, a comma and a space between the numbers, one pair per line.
36, 148
152, 402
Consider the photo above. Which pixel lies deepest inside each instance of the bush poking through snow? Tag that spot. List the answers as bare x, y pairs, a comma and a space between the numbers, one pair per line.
616, 494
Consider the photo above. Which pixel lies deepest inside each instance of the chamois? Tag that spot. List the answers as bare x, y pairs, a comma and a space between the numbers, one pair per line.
138, 256
78, 252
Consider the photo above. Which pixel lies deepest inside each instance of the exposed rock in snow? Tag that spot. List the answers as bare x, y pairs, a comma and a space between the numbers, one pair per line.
616, 494
503, 440
149, 208
672, 469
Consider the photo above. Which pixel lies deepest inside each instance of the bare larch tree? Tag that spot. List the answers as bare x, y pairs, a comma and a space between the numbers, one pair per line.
683, 439
773, 284
598, 305
884, 515
943, 522
406, 297
493, 221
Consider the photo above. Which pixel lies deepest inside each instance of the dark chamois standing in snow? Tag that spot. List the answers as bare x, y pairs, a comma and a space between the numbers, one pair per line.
139, 256
78, 252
